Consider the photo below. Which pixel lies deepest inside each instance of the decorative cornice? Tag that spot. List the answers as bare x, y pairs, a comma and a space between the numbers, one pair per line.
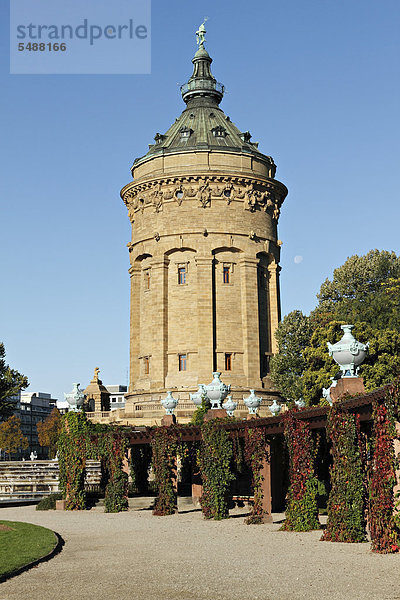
255, 194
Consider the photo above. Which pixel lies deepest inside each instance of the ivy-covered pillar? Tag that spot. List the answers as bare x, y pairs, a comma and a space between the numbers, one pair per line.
384, 530
257, 453
301, 508
165, 471
396, 489
214, 459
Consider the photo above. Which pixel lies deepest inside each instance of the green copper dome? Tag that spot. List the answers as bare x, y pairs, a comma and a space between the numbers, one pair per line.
203, 125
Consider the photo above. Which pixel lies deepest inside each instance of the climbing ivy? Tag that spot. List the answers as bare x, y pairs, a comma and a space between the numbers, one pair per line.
73, 445
301, 509
110, 447
255, 454
214, 459
383, 529
79, 440
346, 499
164, 447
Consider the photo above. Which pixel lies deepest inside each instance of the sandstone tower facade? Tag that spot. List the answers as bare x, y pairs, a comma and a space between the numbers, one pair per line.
204, 206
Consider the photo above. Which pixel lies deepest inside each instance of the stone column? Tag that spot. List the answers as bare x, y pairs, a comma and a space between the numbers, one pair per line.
215, 413
197, 487
134, 370
168, 420
205, 319
126, 461
159, 296
274, 302
250, 328
347, 385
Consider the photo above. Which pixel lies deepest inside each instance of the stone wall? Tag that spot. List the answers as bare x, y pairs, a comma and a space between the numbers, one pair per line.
33, 480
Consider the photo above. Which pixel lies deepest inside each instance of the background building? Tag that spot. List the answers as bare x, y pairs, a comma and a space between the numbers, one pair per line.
117, 396
30, 408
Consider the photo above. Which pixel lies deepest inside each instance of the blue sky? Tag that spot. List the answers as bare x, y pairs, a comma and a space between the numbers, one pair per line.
315, 82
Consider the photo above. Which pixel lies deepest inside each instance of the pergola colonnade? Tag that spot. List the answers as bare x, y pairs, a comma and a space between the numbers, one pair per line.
315, 417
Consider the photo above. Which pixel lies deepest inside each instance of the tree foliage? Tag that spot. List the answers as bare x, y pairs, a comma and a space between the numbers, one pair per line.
364, 291
381, 366
49, 431
11, 382
359, 291
293, 336
11, 438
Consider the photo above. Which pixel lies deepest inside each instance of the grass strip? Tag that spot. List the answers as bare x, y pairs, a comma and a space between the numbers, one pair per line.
21, 544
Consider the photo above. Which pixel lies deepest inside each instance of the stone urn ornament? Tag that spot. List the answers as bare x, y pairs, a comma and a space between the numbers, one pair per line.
252, 402
197, 397
230, 406
76, 398
348, 352
326, 392
300, 403
169, 403
275, 408
216, 391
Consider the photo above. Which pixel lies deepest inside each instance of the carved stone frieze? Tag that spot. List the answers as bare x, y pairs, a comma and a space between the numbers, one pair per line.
256, 194
204, 193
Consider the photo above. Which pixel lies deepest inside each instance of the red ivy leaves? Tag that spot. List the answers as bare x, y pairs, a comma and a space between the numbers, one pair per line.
302, 509
254, 454
346, 500
384, 533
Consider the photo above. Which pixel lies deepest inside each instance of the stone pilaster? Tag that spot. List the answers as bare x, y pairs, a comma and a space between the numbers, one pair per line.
251, 342
274, 303
135, 273
205, 318
159, 291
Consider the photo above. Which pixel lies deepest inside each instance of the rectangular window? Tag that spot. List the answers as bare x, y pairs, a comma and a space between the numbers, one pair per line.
146, 365
147, 280
182, 362
228, 361
181, 275
227, 274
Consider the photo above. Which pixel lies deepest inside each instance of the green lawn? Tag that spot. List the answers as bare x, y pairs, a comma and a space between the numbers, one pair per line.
22, 543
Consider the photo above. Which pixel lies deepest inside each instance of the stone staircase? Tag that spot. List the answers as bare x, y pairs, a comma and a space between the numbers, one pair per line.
30, 481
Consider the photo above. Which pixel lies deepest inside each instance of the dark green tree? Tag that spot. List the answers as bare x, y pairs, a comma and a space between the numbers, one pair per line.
11, 382
363, 289
293, 336
381, 366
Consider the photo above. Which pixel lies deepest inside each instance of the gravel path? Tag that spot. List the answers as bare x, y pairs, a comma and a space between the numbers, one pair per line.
136, 556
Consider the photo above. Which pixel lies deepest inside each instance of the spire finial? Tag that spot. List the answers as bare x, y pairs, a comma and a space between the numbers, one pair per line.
200, 34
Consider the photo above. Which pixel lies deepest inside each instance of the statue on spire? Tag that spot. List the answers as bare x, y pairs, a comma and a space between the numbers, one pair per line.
201, 34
